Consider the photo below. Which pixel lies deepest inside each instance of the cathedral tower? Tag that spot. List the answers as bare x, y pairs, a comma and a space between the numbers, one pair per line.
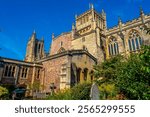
35, 49
89, 32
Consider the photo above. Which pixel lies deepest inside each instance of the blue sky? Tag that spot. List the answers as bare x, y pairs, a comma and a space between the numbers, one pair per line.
18, 19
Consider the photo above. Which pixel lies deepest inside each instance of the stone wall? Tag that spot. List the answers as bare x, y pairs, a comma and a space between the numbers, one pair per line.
83, 62
87, 42
28, 80
62, 41
53, 71
19, 78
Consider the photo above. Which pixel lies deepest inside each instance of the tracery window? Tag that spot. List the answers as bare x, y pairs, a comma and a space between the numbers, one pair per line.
134, 41
113, 46
24, 72
9, 71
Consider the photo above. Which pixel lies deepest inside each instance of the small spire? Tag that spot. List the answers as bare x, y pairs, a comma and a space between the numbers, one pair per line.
33, 36
34, 31
73, 26
53, 36
142, 15
91, 6
120, 23
103, 13
76, 16
119, 20
141, 10
42, 38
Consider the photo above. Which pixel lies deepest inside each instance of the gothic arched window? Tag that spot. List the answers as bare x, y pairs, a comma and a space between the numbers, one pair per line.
113, 46
134, 41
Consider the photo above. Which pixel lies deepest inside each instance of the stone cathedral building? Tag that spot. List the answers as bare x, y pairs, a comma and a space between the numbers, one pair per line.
72, 55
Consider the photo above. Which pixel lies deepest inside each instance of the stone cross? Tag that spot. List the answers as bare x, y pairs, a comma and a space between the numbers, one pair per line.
94, 92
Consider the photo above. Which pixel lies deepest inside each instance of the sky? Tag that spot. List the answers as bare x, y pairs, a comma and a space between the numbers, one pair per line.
19, 18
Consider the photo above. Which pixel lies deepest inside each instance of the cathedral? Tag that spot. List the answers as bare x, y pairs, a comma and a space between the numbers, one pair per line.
73, 54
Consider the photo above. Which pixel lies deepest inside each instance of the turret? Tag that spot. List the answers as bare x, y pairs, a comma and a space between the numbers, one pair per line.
142, 15
53, 36
35, 48
73, 30
91, 6
30, 55
120, 24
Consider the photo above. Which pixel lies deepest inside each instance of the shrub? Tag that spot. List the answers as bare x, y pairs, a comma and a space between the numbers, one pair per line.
108, 91
81, 91
3, 93
78, 92
61, 95
133, 80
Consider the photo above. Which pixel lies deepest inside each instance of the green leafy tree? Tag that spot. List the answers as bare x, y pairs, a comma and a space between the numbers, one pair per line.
108, 69
106, 74
131, 79
131, 75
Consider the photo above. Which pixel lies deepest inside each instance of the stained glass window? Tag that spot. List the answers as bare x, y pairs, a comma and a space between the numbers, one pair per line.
113, 46
134, 41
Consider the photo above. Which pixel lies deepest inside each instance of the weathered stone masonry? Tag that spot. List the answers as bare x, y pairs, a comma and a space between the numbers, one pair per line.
72, 55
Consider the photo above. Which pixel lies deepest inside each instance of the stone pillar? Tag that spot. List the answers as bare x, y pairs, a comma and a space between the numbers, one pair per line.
32, 81
82, 76
88, 76
107, 49
78, 75
98, 36
126, 37
33, 75
42, 79
68, 75
1, 73
16, 74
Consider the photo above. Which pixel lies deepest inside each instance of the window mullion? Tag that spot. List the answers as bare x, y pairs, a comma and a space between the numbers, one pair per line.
115, 50
112, 49
131, 44
135, 43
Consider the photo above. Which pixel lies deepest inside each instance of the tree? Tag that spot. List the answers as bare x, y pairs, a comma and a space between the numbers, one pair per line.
131, 75
108, 69
132, 81
106, 74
